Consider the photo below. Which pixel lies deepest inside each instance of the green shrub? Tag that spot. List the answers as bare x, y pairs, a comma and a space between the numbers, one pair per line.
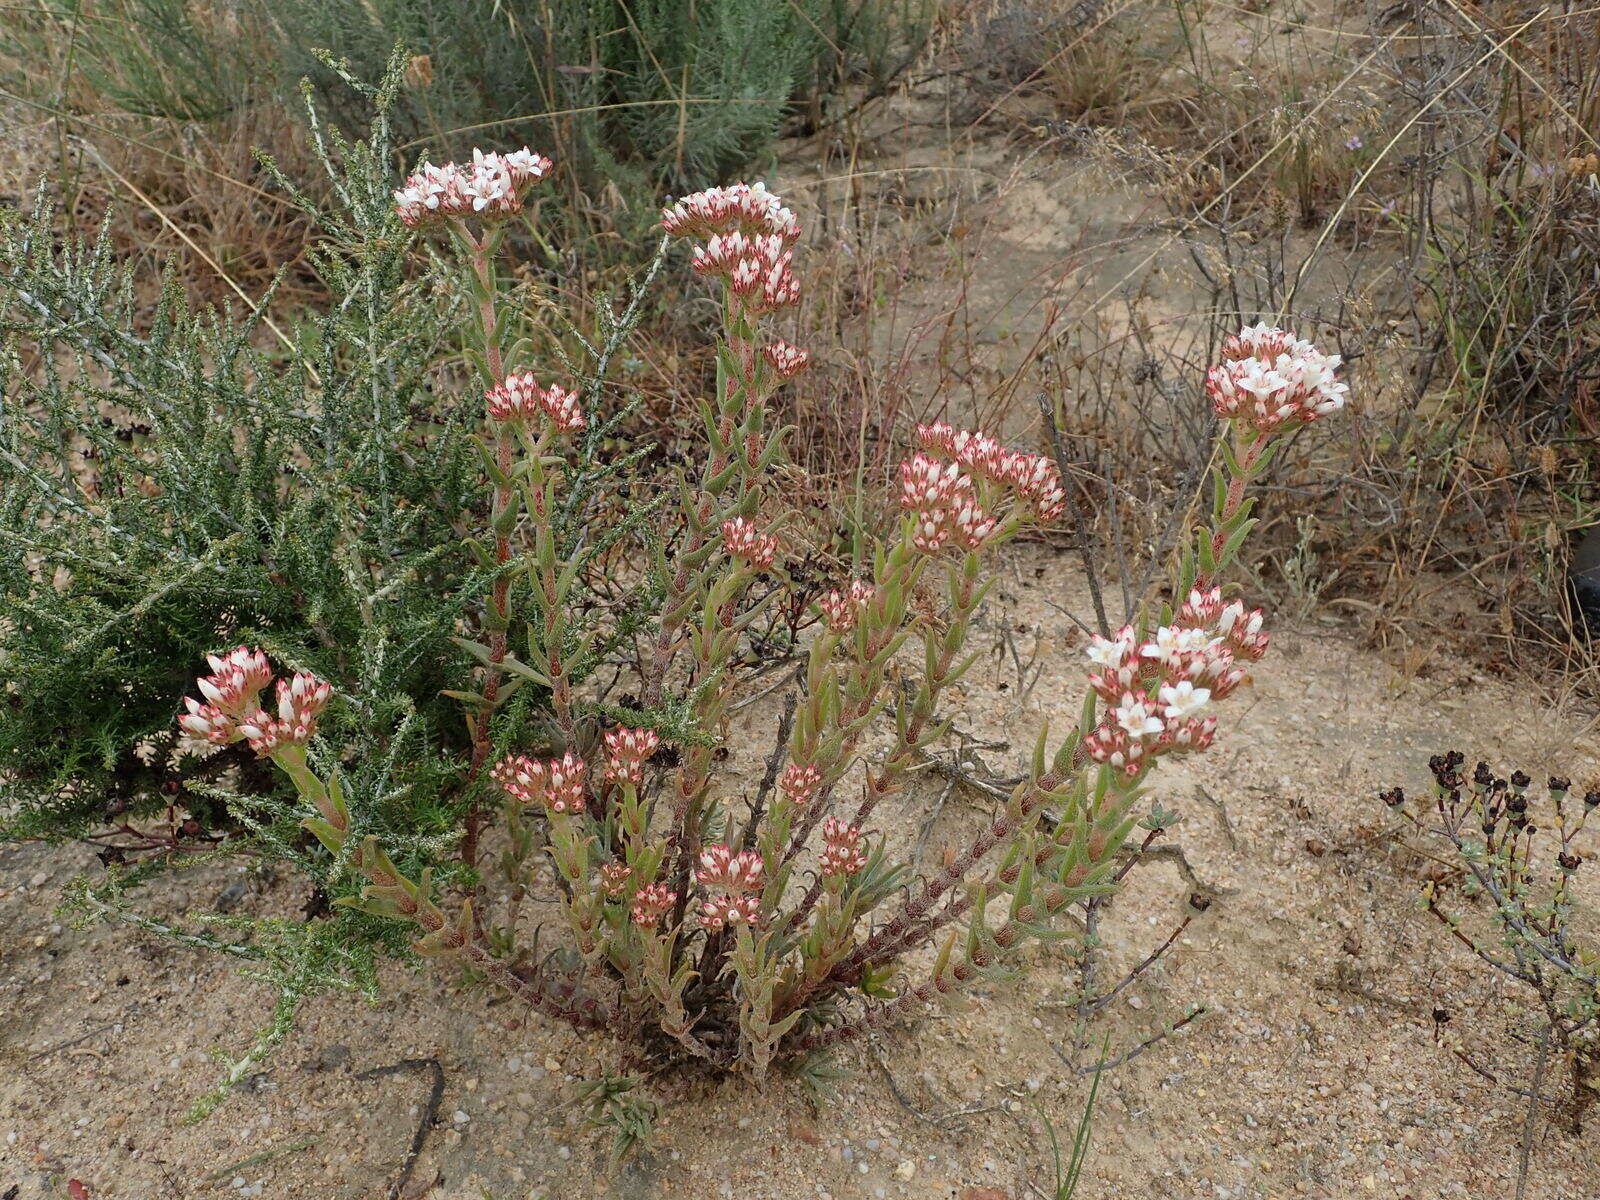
658, 93
171, 491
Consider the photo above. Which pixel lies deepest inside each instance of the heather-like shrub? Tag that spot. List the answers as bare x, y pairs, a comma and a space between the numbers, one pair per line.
651, 91
176, 481
1514, 864
704, 927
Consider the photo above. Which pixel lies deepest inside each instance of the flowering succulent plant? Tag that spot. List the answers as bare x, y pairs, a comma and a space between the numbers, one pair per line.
734, 931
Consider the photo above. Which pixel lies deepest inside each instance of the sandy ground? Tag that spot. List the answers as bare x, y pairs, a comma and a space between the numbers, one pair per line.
1315, 1075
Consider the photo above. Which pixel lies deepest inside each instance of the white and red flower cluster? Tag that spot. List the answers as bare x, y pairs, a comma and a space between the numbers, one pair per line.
520, 398
491, 185
842, 851
744, 541
788, 361
738, 880
626, 752
300, 702
737, 208
1033, 477
945, 503
232, 708
614, 878
651, 903
1273, 381
755, 266
945, 498
555, 783
799, 783
1154, 688
841, 608
749, 236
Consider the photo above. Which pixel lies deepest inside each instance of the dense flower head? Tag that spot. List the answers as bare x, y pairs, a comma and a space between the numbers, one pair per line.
556, 783
748, 239
1242, 630
232, 706
936, 493
300, 702
757, 268
927, 484
236, 680
651, 903
842, 851
974, 450
626, 751
614, 878
208, 722
1111, 745
969, 525
1272, 380
841, 608
720, 911
492, 185
1261, 340
800, 783
1202, 608
521, 398
1155, 687
744, 541
1037, 480
746, 208
720, 867
1188, 734
1033, 478
788, 361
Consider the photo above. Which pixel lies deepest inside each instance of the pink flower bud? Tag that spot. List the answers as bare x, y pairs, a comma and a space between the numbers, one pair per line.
208, 722
842, 853
744, 541
557, 784
626, 752
721, 911
520, 398
720, 867
840, 608
564, 409
651, 903
614, 878
788, 361
300, 702
799, 783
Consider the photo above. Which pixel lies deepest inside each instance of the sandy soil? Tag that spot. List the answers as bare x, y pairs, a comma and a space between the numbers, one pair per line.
1315, 1075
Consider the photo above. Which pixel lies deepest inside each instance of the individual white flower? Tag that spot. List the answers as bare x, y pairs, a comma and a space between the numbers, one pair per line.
1137, 716
1111, 652
1180, 700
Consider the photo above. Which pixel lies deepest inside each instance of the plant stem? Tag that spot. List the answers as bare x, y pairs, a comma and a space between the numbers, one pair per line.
499, 616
